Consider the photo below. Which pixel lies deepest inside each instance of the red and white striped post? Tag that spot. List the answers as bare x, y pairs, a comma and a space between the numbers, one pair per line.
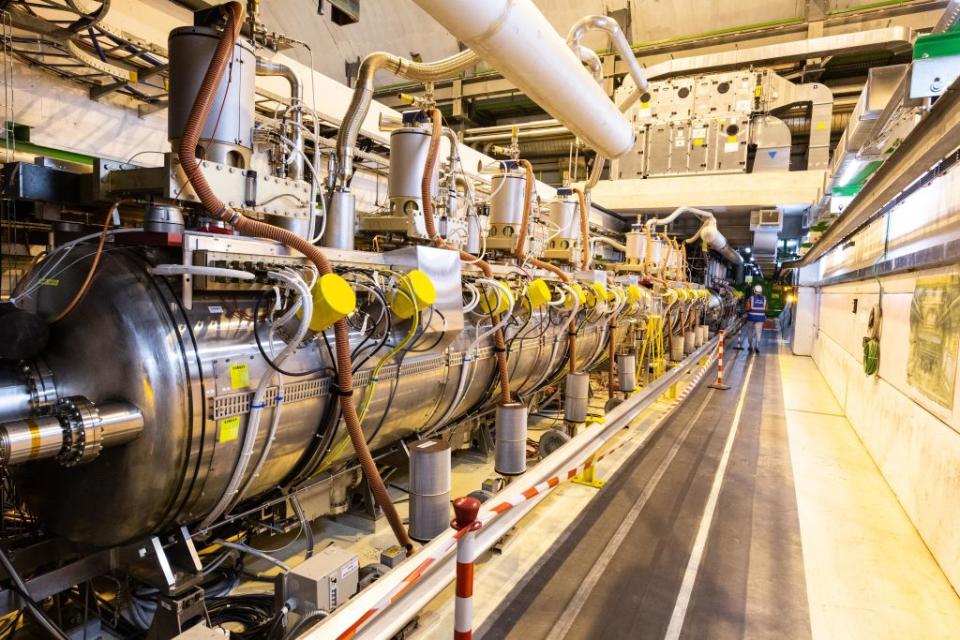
466, 525
719, 383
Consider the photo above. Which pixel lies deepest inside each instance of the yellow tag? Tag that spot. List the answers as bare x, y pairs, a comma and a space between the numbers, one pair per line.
757, 91
644, 105
821, 125
731, 138
239, 375
698, 142
229, 429
50, 282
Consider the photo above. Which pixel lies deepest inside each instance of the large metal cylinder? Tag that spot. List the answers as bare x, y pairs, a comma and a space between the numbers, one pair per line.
341, 221
627, 371
408, 156
563, 215
689, 342
576, 397
510, 453
506, 202
227, 135
676, 348
429, 489
636, 247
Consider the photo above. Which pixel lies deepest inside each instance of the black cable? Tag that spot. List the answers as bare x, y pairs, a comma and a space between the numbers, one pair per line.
254, 611
263, 352
304, 623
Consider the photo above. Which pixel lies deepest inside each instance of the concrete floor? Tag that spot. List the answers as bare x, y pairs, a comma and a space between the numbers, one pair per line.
752, 513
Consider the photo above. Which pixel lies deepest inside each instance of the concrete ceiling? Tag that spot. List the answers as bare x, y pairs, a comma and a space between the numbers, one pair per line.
401, 27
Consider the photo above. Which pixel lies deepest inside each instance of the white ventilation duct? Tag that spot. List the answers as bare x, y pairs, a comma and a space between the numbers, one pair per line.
515, 38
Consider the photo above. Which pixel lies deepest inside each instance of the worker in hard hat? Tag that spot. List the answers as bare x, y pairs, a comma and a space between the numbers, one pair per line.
756, 308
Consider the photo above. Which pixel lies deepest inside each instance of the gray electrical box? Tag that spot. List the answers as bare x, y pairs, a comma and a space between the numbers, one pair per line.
325, 581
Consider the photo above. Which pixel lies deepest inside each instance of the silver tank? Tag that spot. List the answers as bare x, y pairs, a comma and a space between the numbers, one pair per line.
227, 135
408, 156
506, 201
563, 215
191, 373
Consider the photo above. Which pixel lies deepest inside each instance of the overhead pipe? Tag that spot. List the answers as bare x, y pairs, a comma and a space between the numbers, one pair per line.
275, 69
620, 44
515, 38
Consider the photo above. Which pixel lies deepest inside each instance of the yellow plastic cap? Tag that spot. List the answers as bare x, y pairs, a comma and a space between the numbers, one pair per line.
493, 300
612, 292
538, 293
581, 296
419, 284
333, 300
634, 294
596, 293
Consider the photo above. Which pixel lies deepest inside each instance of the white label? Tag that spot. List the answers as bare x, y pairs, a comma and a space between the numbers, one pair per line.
680, 142
351, 567
699, 132
743, 105
644, 113
731, 147
215, 308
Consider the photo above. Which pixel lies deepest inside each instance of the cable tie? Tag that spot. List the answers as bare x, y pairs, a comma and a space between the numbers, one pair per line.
258, 405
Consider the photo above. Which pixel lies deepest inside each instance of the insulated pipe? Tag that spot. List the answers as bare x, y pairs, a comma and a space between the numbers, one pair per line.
214, 205
708, 231
590, 58
609, 241
515, 38
267, 68
619, 41
363, 95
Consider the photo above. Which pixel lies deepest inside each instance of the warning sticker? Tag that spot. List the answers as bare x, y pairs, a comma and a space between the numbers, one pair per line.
239, 375
229, 429
50, 282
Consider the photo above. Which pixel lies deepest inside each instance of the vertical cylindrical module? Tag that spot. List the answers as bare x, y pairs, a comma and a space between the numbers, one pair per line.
408, 156
227, 134
636, 247
565, 222
429, 489
627, 371
701, 335
341, 220
507, 192
576, 397
689, 341
510, 453
676, 348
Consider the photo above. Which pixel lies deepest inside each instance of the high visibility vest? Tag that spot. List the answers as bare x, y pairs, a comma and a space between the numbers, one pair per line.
758, 309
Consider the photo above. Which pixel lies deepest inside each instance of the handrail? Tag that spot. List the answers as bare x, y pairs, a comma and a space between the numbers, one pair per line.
386, 606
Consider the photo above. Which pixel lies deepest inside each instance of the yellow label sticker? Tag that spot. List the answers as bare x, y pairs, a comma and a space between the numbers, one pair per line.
731, 138
821, 125
698, 142
50, 282
239, 375
229, 429
757, 91
644, 105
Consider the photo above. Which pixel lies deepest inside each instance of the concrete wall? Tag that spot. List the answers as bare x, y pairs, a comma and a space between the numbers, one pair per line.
913, 440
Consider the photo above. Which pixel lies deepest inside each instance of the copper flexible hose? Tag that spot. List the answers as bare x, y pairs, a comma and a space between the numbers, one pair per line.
82, 291
426, 191
250, 227
584, 229
520, 252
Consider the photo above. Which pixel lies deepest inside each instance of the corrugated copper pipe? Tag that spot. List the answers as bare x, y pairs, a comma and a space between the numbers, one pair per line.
426, 191
250, 227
